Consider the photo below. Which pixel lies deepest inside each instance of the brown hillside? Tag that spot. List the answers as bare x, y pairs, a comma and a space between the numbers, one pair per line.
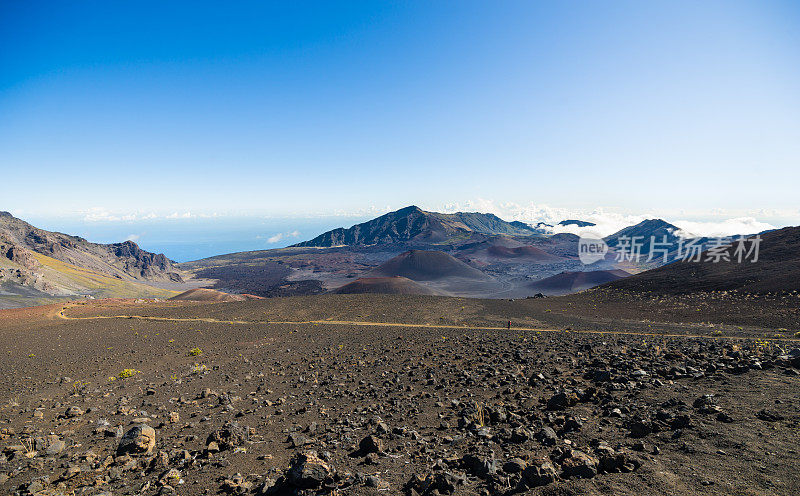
423, 265
385, 285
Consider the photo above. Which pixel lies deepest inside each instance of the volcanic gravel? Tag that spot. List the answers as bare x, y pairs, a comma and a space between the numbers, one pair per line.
268, 403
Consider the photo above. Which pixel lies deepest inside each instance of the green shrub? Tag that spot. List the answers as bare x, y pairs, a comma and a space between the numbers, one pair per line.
127, 373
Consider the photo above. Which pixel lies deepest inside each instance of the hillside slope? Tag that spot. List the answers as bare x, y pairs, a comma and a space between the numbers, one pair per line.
38, 265
124, 260
570, 282
422, 265
385, 285
211, 296
777, 270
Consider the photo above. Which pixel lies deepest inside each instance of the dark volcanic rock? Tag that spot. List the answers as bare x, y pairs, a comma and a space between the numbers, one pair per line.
231, 434
560, 401
769, 415
308, 471
539, 472
434, 484
547, 436
140, 439
480, 466
370, 444
579, 464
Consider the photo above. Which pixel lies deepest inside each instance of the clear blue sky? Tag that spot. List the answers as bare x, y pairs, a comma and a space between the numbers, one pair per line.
310, 107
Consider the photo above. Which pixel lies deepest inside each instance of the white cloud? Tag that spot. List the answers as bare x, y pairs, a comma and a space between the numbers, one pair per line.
608, 222
727, 227
532, 213
278, 237
177, 215
132, 237
100, 214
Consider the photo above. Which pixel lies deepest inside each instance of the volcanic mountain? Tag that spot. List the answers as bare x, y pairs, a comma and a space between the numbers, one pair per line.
38, 264
644, 232
422, 265
412, 224
570, 282
385, 285
122, 260
776, 270
505, 248
463, 254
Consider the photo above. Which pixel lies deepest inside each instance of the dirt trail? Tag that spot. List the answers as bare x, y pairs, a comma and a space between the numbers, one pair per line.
61, 315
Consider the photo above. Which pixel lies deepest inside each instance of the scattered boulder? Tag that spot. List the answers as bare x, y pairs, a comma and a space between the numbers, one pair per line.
308, 471
611, 461
229, 436
140, 439
74, 411
547, 436
539, 472
640, 428
297, 440
236, 484
434, 484
514, 465
480, 466
56, 447
370, 444
578, 464
769, 415
561, 401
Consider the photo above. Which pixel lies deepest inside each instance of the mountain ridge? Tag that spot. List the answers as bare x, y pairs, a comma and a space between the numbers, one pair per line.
116, 259
412, 224
44, 264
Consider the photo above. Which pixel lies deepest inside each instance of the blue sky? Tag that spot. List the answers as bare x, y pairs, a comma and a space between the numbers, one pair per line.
306, 109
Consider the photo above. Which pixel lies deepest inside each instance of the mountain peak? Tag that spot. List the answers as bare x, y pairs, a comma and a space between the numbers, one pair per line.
656, 223
409, 209
412, 224
645, 231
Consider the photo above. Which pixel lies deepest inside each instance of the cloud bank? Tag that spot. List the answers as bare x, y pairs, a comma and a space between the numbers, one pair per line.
607, 221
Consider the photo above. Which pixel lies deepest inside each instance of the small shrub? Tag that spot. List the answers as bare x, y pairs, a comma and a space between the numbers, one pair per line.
195, 352
127, 373
198, 368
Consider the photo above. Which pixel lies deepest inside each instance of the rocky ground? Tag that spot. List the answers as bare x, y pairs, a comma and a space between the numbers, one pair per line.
393, 395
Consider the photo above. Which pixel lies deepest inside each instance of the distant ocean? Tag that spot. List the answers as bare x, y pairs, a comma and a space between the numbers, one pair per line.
184, 240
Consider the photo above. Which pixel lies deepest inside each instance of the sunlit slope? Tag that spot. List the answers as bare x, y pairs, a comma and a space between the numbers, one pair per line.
73, 280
